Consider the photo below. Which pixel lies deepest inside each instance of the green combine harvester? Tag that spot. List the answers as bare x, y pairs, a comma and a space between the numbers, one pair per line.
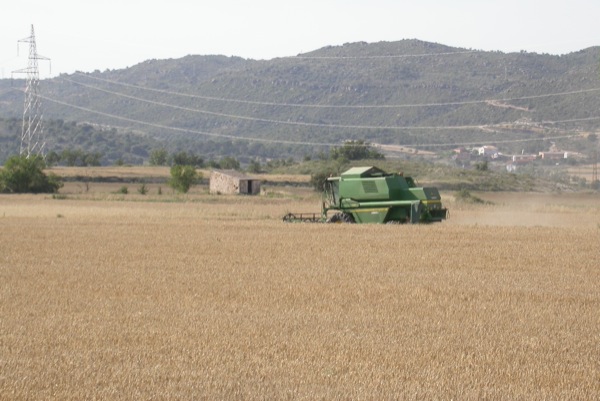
370, 195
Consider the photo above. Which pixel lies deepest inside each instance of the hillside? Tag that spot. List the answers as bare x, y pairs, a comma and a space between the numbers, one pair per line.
409, 93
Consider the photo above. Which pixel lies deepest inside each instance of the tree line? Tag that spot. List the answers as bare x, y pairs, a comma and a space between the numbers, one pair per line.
74, 158
25, 174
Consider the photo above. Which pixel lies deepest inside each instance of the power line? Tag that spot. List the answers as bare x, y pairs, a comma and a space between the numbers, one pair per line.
502, 141
391, 56
184, 130
366, 106
320, 125
275, 141
234, 116
572, 120
267, 120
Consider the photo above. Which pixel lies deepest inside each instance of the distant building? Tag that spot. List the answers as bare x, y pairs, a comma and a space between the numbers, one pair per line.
461, 154
519, 160
574, 155
553, 155
523, 159
233, 182
488, 151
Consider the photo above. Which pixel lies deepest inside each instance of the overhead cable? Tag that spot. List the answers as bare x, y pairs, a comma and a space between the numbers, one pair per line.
321, 125
370, 57
275, 141
267, 120
339, 106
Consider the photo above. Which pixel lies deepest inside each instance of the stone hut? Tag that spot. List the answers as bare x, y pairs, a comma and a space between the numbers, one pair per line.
233, 182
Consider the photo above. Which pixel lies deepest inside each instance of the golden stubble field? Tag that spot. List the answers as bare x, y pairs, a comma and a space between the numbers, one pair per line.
107, 296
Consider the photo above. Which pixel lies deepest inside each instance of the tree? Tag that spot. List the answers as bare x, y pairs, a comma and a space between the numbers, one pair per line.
52, 158
92, 159
185, 159
229, 163
254, 167
70, 157
76, 157
482, 166
356, 150
183, 177
318, 179
23, 174
158, 157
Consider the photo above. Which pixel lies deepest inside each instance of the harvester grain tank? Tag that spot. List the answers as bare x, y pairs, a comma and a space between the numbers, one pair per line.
370, 195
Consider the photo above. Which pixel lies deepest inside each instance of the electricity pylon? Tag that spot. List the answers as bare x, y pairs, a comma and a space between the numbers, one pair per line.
33, 141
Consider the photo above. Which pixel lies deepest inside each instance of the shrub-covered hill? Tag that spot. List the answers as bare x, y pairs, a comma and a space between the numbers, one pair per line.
407, 92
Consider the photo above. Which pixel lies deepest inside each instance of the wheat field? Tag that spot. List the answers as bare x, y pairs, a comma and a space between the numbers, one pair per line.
108, 297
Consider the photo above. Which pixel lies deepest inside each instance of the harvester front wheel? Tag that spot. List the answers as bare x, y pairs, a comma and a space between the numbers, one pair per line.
341, 218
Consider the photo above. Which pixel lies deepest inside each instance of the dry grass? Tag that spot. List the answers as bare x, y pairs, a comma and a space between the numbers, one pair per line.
205, 297
574, 210
138, 172
145, 172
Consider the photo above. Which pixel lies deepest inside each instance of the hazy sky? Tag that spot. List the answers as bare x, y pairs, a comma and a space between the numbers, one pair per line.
109, 34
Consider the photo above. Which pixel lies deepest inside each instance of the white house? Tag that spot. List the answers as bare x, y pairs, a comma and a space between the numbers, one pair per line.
488, 151
553, 155
233, 182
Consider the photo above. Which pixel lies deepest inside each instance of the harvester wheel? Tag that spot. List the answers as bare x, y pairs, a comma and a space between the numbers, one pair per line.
334, 219
341, 218
347, 218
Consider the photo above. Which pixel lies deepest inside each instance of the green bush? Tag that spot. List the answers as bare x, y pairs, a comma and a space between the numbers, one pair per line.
356, 150
158, 157
318, 179
183, 177
23, 174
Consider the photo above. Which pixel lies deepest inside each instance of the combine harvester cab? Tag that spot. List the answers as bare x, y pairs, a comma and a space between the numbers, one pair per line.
370, 195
